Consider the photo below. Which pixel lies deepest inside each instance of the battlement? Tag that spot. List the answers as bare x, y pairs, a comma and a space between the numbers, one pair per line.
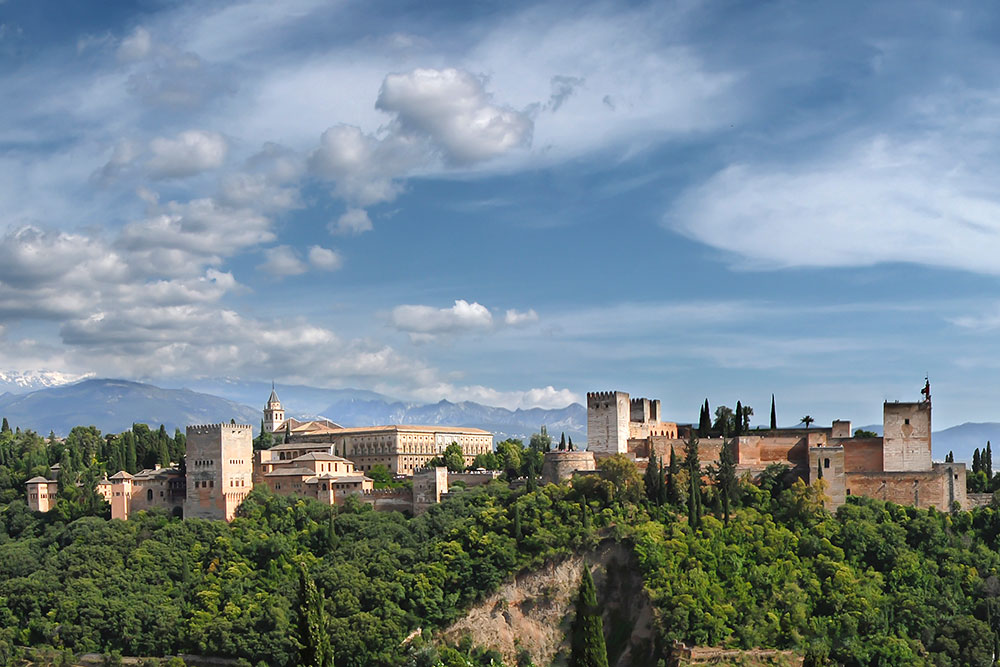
216, 428
386, 493
603, 395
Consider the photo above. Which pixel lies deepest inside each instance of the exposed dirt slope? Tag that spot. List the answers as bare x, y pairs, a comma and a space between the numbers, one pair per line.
535, 611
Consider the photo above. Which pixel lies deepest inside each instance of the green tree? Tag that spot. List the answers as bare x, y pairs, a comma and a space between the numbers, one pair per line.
807, 420
725, 479
562, 442
949, 457
509, 456
705, 421
314, 633
724, 420
862, 433
738, 419
988, 461
587, 648
692, 464
976, 461
624, 476
453, 457
265, 440
673, 479
486, 460
5, 428
541, 442
569, 444
381, 476
650, 480
774, 416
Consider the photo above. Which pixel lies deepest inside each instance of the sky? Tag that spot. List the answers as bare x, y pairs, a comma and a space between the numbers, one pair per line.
507, 202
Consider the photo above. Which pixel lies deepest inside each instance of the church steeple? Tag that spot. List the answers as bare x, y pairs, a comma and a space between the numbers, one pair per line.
274, 414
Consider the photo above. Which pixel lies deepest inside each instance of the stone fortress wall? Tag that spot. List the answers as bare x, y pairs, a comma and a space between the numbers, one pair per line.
897, 467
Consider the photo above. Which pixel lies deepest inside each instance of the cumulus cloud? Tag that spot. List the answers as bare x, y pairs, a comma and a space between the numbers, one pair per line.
516, 318
452, 108
461, 317
365, 169
189, 153
282, 261
354, 221
325, 259
438, 116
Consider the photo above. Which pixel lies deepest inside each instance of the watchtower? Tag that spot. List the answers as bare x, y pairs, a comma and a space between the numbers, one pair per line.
906, 429
121, 495
219, 469
608, 415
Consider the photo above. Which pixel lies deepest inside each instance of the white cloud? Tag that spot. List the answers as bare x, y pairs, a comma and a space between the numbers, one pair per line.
516, 318
136, 46
928, 201
282, 261
461, 317
353, 221
453, 109
191, 152
325, 259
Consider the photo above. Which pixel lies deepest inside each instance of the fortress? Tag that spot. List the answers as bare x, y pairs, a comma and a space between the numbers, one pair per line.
317, 459
895, 467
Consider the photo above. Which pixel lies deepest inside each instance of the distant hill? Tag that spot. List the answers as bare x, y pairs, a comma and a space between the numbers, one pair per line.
21, 382
963, 439
113, 405
502, 422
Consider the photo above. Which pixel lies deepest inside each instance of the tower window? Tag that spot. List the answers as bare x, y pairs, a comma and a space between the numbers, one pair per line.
826, 463
906, 421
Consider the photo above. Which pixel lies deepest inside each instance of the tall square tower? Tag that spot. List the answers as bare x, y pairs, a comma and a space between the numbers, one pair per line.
906, 429
608, 414
219, 470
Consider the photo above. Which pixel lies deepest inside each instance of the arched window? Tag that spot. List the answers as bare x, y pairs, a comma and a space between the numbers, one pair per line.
149, 494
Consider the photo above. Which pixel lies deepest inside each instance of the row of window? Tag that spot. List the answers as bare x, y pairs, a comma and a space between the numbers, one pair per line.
204, 462
203, 485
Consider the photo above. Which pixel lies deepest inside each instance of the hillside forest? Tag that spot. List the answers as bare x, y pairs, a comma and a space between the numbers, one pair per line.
725, 561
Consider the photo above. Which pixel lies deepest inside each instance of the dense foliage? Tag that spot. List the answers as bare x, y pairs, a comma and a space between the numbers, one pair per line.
157, 586
873, 584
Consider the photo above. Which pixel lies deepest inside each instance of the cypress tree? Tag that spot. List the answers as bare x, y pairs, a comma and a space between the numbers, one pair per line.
313, 632
562, 442
725, 480
988, 462
530, 482
518, 534
5, 428
738, 419
950, 458
587, 648
693, 465
976, 462
774, 417
819, 468
569, 445
652, 489
130, 456
673, 468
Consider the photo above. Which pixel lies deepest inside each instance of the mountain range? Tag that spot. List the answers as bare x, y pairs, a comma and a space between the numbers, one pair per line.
113, 405
30, 401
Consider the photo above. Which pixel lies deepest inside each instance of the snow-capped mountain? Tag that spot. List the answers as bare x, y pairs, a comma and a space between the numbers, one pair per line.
21, 382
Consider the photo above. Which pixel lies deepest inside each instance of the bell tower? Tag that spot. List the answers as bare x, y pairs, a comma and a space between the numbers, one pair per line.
274, 414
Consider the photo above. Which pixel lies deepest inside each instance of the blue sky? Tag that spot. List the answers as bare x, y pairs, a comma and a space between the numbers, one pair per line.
512, 203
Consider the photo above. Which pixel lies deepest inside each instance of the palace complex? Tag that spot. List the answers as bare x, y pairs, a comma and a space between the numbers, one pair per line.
896, 466
316, 459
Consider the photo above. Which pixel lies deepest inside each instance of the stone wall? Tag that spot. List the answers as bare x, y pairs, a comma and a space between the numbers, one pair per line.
937, 487
763, 450
863, 455
560, 466
829, 459
428, 486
